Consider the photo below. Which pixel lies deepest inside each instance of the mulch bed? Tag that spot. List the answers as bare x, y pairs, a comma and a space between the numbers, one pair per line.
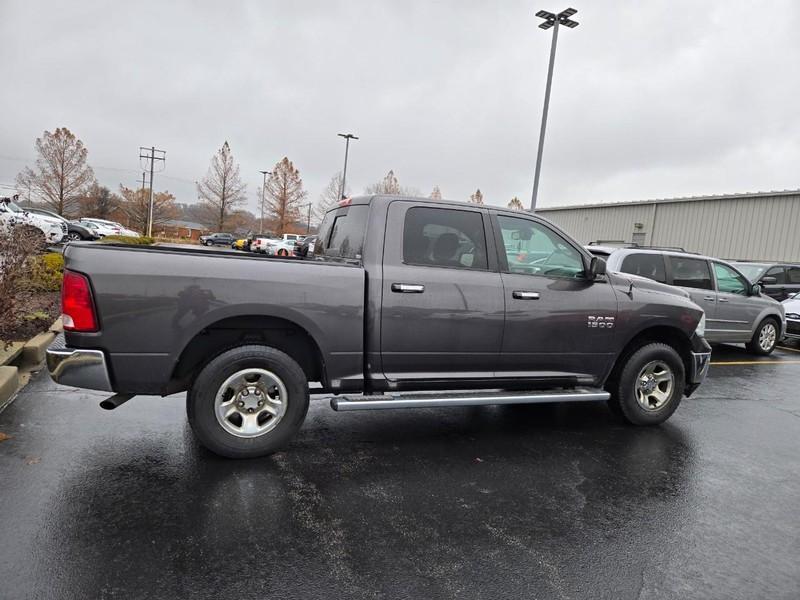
39, 312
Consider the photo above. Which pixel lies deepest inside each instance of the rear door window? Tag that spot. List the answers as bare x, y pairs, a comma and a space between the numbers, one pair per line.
651, 266
690, 272
793, 275
341, 234
443, 237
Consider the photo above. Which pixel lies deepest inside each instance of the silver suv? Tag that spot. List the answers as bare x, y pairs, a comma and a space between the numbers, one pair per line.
736, 310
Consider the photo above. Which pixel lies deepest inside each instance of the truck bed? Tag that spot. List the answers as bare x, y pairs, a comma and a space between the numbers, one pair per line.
153, 301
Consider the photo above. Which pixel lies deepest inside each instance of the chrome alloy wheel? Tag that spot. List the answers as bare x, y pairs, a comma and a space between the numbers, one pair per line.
250, 403
654, 385
767, 337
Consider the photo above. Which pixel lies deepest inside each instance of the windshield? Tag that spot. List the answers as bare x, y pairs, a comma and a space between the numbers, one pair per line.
13, 207
752, 272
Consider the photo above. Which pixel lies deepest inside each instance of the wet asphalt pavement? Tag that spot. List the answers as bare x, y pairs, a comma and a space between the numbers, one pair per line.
487, 502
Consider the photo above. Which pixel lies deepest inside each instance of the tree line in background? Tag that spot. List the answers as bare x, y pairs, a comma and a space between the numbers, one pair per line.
62, 181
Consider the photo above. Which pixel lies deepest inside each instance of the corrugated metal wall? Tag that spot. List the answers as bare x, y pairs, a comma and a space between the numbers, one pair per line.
764, 227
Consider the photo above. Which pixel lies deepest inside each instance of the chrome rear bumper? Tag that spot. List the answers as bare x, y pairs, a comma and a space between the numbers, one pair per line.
77, 367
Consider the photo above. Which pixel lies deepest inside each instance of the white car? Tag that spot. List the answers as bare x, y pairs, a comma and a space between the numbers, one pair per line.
792, 307
279, 247
11, 215
104, 225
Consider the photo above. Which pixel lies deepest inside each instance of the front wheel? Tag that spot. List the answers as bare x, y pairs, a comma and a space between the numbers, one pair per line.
650, 385
248, 402
74, 236
765, 338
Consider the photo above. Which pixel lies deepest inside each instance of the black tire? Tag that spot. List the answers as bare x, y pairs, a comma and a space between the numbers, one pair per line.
209, 243
201, 401
755, 346
624, 389
74, 236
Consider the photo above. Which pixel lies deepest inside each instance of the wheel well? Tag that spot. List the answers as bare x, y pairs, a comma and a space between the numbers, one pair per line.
663, 334
278, 333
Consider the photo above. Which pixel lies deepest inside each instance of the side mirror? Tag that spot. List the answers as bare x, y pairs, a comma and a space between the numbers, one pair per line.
755, 289
597, 267
768, 280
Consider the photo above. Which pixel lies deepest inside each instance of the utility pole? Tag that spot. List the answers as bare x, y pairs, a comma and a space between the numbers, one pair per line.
550, 20
347, 137
308, 217
152, 155
263, 193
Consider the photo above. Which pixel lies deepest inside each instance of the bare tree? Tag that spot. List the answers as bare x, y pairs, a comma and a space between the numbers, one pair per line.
222, 190
436, 194
515, 204
329, 197
390, 185
477, 197
283, 196
61, 176
136, 205
98, 202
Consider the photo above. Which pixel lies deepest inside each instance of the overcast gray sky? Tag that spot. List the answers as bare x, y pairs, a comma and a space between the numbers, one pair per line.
650, 99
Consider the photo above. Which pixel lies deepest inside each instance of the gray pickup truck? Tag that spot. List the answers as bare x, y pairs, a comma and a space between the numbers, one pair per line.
402, 303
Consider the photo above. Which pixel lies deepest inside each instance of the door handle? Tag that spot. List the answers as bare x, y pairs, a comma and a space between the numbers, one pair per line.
709, 298
408, 288
523, 295
722, 299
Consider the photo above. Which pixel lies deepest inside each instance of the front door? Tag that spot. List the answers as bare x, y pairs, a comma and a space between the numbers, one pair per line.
558, 322
736, 311
442, 298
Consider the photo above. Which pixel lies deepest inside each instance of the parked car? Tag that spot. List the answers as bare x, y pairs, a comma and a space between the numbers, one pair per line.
253, 242
75, 231
217, 239
11, 215
792, 307
405, 295
303, 247
118, 227
101, 227
778, 280
279, 247
736, 310
238, 244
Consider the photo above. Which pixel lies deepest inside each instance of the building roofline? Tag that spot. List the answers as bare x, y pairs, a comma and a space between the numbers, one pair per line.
675, 200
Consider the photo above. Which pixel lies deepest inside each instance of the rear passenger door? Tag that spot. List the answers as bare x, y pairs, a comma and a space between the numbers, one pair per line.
736, 311
442, 307
694, 275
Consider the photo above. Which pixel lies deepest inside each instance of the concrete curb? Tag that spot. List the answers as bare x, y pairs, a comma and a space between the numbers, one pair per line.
9, 384
27, 358
33, 350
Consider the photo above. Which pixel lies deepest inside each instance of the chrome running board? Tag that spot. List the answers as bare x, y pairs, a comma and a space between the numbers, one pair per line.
416, 400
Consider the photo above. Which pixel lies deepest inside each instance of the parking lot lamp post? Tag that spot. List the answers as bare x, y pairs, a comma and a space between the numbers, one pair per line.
263, 191
550, 20
347, 137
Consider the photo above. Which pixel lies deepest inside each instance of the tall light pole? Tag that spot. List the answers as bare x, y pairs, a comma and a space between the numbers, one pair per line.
550, 20
263, 191
347, 137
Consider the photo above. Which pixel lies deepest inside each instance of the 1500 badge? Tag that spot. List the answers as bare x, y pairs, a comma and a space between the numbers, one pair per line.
602, 322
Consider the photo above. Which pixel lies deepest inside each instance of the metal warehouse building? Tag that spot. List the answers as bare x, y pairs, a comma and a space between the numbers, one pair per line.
759, 226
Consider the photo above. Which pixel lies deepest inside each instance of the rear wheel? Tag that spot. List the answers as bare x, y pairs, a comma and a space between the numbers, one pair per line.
248, 402
74, 236
650, 385
765, 338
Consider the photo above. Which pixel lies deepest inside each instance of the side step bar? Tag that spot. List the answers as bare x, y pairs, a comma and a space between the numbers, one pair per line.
412, 400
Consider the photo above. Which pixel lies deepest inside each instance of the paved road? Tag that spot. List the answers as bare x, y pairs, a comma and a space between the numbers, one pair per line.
493, 502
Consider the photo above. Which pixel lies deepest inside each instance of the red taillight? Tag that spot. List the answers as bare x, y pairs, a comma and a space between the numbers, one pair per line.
77, 307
